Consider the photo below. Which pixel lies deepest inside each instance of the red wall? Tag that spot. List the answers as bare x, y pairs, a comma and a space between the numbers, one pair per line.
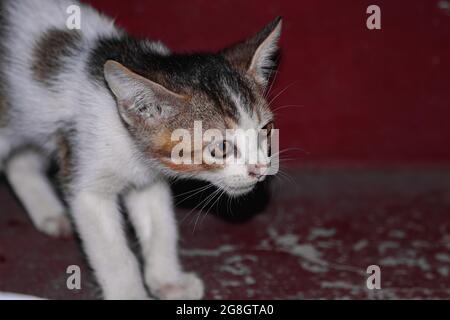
365, 97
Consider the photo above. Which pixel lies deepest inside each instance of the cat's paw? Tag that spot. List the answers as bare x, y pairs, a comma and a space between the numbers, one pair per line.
57, 227
188, 287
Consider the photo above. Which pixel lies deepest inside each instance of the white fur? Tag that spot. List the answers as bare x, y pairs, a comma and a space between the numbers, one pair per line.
151, 213
100, 226
25, 172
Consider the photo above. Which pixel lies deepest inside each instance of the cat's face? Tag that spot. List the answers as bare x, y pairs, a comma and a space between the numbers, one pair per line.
201, 115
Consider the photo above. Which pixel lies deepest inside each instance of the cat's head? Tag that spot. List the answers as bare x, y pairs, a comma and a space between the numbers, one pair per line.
181, 107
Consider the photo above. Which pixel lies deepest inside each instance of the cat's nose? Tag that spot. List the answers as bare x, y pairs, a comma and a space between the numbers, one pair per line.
257, 170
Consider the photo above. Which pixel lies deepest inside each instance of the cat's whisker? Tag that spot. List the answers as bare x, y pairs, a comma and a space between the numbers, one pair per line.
288, 106
280, 159
188, 192
193, 209
285, 160
281, 92
287, 177
229, 203
196, 191
276, 154
210, 198
214, 203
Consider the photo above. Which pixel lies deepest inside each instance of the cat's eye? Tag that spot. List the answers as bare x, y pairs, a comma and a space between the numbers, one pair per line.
221, 149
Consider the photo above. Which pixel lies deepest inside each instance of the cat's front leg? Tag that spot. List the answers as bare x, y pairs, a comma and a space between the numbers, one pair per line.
100, 227
151, 213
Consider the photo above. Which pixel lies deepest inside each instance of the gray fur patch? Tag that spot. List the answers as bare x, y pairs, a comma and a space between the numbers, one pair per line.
51, 51
66, 160
3, 98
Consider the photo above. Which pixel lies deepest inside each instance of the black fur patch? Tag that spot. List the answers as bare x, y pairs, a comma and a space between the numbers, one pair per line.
50, 51
182, 73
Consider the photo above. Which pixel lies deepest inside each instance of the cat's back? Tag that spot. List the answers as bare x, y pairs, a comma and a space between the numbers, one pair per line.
39, 30
41, 61
27, 19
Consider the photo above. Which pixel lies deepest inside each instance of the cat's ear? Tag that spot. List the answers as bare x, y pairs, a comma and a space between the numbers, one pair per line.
140, 99
256, 54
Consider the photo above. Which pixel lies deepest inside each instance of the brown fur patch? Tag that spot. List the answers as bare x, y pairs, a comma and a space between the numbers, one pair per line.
187, 168
230, 123
50, 51
161, 147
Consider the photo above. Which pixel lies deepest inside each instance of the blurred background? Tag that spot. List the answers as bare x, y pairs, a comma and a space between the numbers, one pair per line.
364, 119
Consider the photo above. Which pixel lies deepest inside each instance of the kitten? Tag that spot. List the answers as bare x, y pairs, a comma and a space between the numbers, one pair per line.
107, 103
